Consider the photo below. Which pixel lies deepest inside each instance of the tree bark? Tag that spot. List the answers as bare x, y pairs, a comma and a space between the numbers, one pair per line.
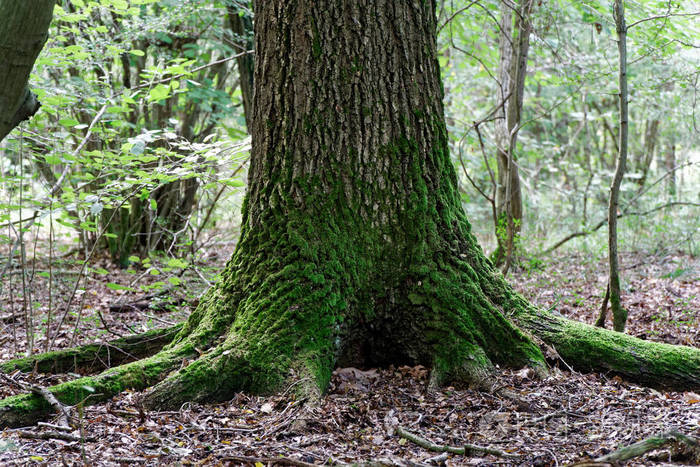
354, 248
513, 50
618, 312
23, 31
240, 19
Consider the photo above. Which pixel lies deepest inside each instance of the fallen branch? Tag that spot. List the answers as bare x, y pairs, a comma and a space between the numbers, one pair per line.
649, 444
55, 435
464, 450
269, 460
440, 459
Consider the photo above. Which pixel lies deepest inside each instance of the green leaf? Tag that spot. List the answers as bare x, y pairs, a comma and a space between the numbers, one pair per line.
68, 122
177, 263
159, 92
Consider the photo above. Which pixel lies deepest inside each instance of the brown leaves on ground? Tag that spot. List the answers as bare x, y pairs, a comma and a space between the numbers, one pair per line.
565, 418
562, 419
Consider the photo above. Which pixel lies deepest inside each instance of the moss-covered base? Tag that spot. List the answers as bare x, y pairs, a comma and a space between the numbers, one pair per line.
213, 358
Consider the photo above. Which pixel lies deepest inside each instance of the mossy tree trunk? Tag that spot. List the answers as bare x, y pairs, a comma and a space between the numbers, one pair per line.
355, 249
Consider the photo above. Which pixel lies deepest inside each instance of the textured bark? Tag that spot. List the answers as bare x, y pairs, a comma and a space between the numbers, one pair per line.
354, 248
23, 31
514, 46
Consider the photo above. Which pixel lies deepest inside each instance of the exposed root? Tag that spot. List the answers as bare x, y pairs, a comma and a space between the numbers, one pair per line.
90, 358
64, 415
27, 409
588, 348
225, 370
465, 450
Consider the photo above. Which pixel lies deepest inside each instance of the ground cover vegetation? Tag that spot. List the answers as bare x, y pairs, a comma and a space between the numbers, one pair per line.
377, 131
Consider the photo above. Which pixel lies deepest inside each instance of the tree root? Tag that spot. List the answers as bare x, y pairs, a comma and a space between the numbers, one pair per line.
90, 358
588, 348
649, 444
64, 415
465, 450
27, 409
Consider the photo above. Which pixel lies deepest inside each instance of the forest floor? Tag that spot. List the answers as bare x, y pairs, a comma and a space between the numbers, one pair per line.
565, 418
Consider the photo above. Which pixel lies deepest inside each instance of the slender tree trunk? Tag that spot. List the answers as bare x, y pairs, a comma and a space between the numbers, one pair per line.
240, 18
619, 313
513, 50
670, 163
24, 29
651, 132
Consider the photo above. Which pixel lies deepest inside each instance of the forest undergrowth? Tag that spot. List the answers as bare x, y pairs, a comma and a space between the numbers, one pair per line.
567, 417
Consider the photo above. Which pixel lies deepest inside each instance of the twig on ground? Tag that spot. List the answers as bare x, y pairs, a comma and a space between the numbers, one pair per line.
53, 426
649, 444
269, 460
437, 460
466, 449
54, 435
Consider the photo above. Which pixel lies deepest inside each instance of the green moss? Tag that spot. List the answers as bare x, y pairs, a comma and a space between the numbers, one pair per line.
94, 356
590, 348
316, 40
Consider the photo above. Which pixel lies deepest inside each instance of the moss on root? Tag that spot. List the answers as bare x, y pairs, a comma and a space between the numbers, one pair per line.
89, 358
26, 409
590, 348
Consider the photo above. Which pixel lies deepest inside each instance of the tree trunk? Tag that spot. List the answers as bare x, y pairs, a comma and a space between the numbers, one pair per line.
670, 163
23, 31
618, 312
241, 23
355, 249
513, 50
651, 132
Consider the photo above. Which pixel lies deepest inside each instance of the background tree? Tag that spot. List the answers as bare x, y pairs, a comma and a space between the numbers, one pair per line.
514, 45
613, 290
23, 31
355, 248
